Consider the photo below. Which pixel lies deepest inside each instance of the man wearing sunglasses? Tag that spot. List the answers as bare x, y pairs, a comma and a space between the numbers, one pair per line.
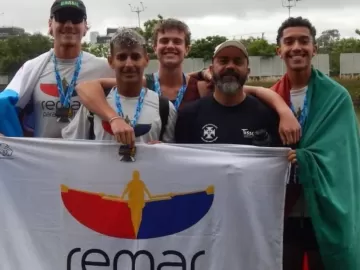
44, 88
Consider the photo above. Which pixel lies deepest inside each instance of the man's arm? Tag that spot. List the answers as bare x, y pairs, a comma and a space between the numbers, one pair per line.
169, 133
199, 75
289, 127
91, 94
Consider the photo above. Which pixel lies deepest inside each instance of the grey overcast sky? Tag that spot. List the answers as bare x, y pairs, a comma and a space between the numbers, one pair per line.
231, 18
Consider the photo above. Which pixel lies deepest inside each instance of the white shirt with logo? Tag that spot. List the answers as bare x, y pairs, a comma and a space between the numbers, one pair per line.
45, 97
149, 120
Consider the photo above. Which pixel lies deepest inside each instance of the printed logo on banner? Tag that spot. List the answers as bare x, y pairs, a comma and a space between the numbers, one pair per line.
131, 216
5, 151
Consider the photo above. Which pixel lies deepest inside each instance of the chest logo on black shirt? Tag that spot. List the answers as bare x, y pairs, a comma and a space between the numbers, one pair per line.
209, 133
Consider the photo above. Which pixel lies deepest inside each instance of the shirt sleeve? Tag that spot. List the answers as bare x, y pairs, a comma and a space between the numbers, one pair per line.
169, 133
79, 127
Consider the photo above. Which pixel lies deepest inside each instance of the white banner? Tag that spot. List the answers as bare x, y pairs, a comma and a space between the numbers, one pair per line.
76, 206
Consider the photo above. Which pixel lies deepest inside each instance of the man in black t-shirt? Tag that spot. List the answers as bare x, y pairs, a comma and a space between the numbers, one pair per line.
228, 116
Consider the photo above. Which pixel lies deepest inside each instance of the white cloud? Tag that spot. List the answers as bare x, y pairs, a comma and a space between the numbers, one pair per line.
212, 17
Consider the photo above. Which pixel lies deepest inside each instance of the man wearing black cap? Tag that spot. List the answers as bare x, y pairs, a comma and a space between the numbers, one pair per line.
228, 116
46, 84
67, 25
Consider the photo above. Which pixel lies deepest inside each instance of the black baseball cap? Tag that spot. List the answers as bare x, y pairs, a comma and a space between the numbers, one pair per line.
61, 4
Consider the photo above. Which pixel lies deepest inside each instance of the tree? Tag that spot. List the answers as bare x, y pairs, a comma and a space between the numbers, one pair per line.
204, 47
147, 33
15, 51
327, 39
260, 47
100, 50
357, 31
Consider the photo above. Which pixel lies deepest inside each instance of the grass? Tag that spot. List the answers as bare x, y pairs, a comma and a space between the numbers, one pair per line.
352, 85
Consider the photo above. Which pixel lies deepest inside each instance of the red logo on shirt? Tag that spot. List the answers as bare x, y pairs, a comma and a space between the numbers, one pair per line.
52, 90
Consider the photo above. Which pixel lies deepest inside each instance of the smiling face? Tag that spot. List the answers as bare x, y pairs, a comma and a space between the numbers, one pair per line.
171, 48
297, 48
68, 26
129, 62
230, 70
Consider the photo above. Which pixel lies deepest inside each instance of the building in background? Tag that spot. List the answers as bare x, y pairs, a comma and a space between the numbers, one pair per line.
11, 31
96, 38
93, 37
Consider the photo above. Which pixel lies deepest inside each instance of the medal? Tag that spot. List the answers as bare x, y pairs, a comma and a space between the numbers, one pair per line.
65, 113
127, 154
125, 151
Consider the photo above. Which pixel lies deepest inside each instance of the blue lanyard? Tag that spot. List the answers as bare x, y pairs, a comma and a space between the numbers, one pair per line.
304, 112
65, 96
139, 106
180, 94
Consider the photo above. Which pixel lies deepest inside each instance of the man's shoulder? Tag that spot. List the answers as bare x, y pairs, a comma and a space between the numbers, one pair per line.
257, 106
193, 106
88, 57
35, 61
98, 65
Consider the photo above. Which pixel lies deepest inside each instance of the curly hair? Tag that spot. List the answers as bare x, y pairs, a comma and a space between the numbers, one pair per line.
295, 22
171, 24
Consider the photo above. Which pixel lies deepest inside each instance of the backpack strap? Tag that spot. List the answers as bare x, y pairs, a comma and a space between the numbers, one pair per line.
91, 117
150, 81
164, 115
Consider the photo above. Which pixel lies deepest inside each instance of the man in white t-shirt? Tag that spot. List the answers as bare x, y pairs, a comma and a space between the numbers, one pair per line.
48, 99
140, 106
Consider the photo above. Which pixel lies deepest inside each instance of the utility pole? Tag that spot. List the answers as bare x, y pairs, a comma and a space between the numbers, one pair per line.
138, 10
289, 4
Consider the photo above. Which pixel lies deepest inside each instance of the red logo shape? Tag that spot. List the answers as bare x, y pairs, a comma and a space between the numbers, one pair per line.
107, 127
49, 89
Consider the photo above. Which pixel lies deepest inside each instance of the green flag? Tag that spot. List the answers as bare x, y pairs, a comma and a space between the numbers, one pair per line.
329, 169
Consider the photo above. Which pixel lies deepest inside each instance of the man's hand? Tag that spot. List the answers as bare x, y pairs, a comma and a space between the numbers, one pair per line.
292, 156
207, 75
2, 135
123, 132
289, 128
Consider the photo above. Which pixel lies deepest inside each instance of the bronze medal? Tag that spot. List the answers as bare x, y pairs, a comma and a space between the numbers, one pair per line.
63, 114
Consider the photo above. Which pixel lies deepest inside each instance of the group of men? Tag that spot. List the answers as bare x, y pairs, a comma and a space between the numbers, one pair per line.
70, 94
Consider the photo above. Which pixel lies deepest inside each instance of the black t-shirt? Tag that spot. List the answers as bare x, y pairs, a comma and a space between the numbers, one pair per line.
206, 121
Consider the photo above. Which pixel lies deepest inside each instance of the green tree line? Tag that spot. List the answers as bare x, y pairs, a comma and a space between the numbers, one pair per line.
14, 51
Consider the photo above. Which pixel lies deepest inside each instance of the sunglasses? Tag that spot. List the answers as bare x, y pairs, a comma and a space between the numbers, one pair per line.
73, 17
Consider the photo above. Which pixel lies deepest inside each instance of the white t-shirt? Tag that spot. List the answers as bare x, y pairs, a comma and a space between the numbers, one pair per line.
45, 97
149, 122
297, 97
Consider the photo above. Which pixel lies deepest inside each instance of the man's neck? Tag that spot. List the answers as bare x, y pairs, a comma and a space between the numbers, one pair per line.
229, 100
299, 79
129, 89
171, 77
63, 52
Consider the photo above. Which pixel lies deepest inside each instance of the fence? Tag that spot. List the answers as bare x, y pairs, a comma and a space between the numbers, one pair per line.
264, 66
260, 66
349, 64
